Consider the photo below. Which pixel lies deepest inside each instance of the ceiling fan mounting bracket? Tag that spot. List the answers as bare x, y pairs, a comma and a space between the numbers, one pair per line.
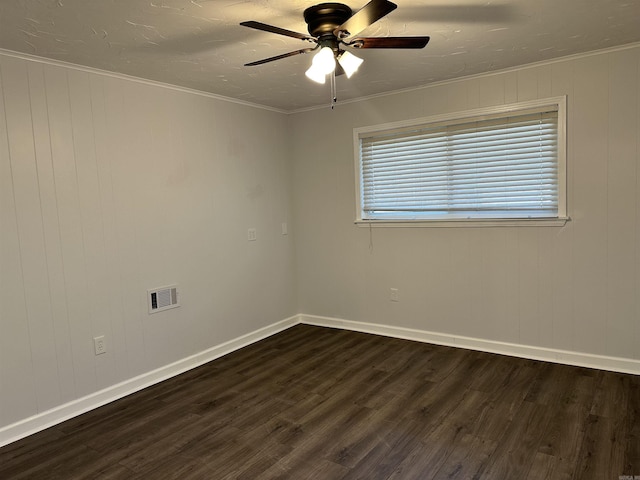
324, 18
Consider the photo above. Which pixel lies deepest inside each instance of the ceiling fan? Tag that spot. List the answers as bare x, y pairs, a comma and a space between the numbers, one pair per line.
333, 26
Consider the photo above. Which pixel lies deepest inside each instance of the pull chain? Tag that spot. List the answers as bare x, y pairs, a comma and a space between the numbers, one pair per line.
334, 95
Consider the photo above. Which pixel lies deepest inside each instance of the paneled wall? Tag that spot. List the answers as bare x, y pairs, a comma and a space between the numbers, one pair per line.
109, 187
573, 288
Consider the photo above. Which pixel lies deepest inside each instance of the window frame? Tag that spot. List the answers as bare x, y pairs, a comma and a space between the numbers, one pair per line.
479, 114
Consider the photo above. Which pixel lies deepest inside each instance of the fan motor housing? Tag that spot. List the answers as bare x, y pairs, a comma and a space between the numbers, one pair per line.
324, 18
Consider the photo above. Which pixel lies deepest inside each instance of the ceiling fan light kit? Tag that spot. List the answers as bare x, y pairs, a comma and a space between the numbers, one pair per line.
324, 60
324, 63
349, 63
332, 26
316, 72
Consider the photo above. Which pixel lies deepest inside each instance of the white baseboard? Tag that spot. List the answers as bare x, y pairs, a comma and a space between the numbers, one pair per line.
614, 364
40, 421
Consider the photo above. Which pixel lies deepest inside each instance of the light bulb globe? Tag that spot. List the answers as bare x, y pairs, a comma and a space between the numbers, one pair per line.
315, 74
349, 63
324, 60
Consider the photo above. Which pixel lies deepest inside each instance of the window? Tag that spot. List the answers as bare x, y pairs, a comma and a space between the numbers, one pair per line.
490, 165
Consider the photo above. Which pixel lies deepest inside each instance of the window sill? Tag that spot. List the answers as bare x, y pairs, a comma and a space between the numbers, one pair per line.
466, 223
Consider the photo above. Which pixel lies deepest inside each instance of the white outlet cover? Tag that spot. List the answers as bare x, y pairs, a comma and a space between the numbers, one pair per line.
99, 345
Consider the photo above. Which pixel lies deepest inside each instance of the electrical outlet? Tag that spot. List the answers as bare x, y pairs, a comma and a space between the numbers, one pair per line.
99, 345
393, 295
252, 236
284, 228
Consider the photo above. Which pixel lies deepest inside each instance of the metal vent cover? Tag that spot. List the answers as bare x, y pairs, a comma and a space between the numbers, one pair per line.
162, 298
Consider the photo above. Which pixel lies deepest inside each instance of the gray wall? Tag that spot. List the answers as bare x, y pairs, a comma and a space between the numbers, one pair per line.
109, 187
572, 288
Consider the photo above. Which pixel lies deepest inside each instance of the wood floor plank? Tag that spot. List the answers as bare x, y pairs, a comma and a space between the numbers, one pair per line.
429, 456
329, 404
467, 458
611, 392
516, 449
425, 459
632, 440
544, 467
563, 439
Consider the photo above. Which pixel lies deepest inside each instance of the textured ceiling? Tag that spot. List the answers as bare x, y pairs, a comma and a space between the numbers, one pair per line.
198, 43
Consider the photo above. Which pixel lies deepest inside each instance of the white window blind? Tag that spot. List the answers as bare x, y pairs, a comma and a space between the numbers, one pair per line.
500, 167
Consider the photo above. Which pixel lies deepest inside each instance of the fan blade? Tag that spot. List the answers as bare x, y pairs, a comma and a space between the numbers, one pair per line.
370, 13
278, 57
280, 31
389, 42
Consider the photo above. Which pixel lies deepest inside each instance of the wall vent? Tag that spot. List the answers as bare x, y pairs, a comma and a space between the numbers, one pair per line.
163, 298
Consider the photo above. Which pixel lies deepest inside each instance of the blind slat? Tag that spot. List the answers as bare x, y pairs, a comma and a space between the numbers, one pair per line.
502, 164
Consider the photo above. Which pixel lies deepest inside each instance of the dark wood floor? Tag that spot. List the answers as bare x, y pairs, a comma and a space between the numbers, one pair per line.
318, 403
